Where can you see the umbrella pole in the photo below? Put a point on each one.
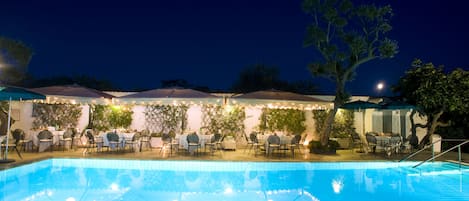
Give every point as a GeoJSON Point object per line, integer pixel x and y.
{"type": "Point", "coordinates": [8, 129]}
{"type": "Point", "coordinates": [5, 154]}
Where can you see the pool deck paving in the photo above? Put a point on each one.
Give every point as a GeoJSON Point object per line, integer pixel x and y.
{"type": "Point", "coordinates": [240, 154]}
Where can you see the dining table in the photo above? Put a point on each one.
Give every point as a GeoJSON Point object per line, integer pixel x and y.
{"type": "Point", "coordinates": [122, 137]}
{"type": "Point", "coordinates": [182, 139]}
{"type": "Point", "coordinates": [284, 140]}
{"type": "Point", "coordinates": [57, 135]}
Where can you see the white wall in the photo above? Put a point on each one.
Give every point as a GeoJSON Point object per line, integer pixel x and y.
{"type": "Point", "coordinates": [194, 118]}
{"type": "Point", "coordinates": [138, 118]}
{"type": "Point", "coordinates": [24, 121]}
{"type": "Point", "coordinates": [252, 121]}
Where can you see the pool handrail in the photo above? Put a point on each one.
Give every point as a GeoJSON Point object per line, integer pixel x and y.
{"type": "Point", "coordinates": [420, 150]}
{"type": "Point", "coordinates": [442, 153]}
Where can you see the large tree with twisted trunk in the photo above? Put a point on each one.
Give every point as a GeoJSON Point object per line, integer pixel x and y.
{"type": "Point", "coordinates": [345, 36]}
{"type": "Point", "coordinates": [435, 93]}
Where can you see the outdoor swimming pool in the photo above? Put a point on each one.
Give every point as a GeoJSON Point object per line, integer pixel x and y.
{"type": "Point", "coordinates": [100, 179]}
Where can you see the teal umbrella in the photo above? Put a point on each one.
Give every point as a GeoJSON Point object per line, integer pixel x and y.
{"type": "Point", "coordinates": [11, 93]}
{"type": "Point", "coordinates": [361, 106]}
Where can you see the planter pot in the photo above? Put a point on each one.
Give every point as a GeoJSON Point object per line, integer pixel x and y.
{"type": "Point", "coordinates": [323, 151]}
{"type": "Point", "coordinates": [156, 142]}
{"type": "Point", "coordinates": [344, 143]}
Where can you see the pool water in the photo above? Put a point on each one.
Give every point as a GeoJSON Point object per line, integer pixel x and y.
{"type": "Point", "coordinates": [100, 179]}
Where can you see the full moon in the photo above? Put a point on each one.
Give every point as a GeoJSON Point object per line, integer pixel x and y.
{"type": "Point", "coordinates": [380, 86]}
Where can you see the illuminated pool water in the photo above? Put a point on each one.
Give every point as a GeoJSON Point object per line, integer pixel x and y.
{"type": "Point", "coordinates": [99, 179]}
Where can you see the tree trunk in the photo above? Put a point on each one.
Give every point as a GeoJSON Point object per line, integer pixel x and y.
{"type": "Point", "coordinates": [325, 133]}
{"type": "Point", "coordinates": [338, 102]}
{"type": "Point", "coordinates": [431, 127]}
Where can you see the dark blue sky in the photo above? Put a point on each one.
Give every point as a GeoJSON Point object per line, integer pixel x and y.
{"type": "Point", "coordinates": [136, 43]}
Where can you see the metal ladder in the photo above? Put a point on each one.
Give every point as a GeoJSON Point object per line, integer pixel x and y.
{"type": "Point", "coordinates": [441, 154]}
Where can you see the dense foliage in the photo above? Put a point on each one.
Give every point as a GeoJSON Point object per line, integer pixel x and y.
{"type": "Point", "coordinates": [286, 120]}
{"type": "Point", "coordinates": [343, 123]}
{"type": "Point", "coordinates": [441, 97]}
{"type": "Point", "coordinates": [60, 116]}
{"type": "Point", "coordinates": [227, 119]}
{"type": "Point", "coordinates": [346, 36]}
{"type": "Point", "coordinates": [166, 118]}
{"type": "Point", "coordinates": [106, 117]}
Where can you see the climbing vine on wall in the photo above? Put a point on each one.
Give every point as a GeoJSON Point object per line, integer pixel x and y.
{"type": "Point", "coordinates": [227, 119]}
{"type": "Point", "coordinates": [57, 115]}
{"type": "Point", "coordinates": [105, 117]}
{"type": "Point", "coordinates": [287, 120]}
{"type": "Point", "coordinates": [166, 118]}
{"type": "Point", "coordinates": [343, 123]}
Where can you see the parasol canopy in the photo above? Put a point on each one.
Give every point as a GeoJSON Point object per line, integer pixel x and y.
{"type": "Point", "coordinates": [73, 94]}
{"type": "Point", "coordinates": [169, 96]}
{"type": "Point", "coordinates": [281, 99]}
{"type": "Point", "coordinates": [11, 93]}
{"type": "Point", "coordinates": [360, 105]}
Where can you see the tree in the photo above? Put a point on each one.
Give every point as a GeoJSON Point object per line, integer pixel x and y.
{"type": "Point", "coordinates": [14, 60]}
{"type": "Point", "coordinates": [257, 77]}
{"type": "Point", "coordinates": [261, 77]}
{"type": "Point", "coordinates": [434, 93]}
{"type": "Point", "coordinates": [346, 37]}
{"type": "Point", "coordinates": [82, 80]}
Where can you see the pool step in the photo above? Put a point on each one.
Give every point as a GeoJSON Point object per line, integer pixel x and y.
{"type": "Point", "coordinates": [436, 169]}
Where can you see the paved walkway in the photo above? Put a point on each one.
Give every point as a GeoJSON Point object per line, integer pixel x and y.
{"type": "Point", "coordinates": [238, 155]}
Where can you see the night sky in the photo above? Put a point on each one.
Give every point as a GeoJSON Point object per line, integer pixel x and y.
{"type": "Point", "coordinates": [136, 44]}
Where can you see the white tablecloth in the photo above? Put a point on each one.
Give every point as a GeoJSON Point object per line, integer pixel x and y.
{"type": "Point", "coordinates": [122, 137]}
{"type": "Point", "coordinates": [284, 139]}
{"type": "Point", "coordinates": [183, 140]}
{"type": "Point", "coordinates": [56, 136]}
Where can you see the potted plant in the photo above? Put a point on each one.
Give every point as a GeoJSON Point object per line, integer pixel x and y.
{"type": "Point", "coordinates": [317, 148]}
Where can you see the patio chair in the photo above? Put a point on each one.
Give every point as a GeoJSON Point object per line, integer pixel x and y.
{"type": "Point", "coordinates": [274, 143]}
{"type": "Point", "coordinates": [91, 140]}
{"type": "Point", "coordinates": [256, 145]}
{"type": "Point", "coordinates": [131, 142]}
{"type": "Point", "coordinates": [193, 143]}
{"type": "Point", "coordinates": [215, 143]}
{"type": "Point", "coordinates": [113, 140]}
{"type": "Point", "coordinates": [145, 140]}
{"type": "Point", "coordinates": [66, 138]}
{"type": "Point", "coordinates": [11, 146]}
{"type": "Point", "coordinates": [76, 137]}
{"type": "Point", "coordinates": [99, 142]}
{"type": "Point", "coordinates": [45, 139]}
{"type": "Point", "coordinates": [372, 142]}
{"type": "Point", "coordinates": [249, 142]}
{"type": "Point", "coordinates": [166, 142]}
{"type": "Point", "coordinates": [294, 144]}
{"type": "Point", "coordinates": [20, 141]}
{"type": "Point", "coordinates": [356, 142]}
